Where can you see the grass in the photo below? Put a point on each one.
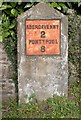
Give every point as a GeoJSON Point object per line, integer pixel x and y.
{"type": "Point", "coordinates": [56, 107]}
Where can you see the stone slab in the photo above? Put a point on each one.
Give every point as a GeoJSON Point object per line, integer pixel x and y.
{"type": "Point", "coordinates": [42, 76]}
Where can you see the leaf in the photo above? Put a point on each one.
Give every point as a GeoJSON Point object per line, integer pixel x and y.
{"type": "Point", "coordinates": [13, 4]}
{"type": "Point", "coordinates": [64, 7]}
{"type": "Point", "coordinates": [5, 34]}
{"type": "Point", "coordinates": [20, 10]}
{"type": "Point", "coordinates": [14, 22]}
{"type": "Point", "coordinates": [28, 5]}
{"type": "Point", "coordinates": [1, 3]}
{"type": "Point", "coordinates": [59, 8]}
{"type": "Point", "coordinates": [79, 4]}
{"type": "Point", "coordinates": [3, 7]}
{"type": "Point", "coordinates": [12, 33]}
{"type": "Point", "coordinates": [14, 12]}
{"type": "Point", "coordinates": [3, 16]}
{"type": "Point", "coordinates": [19, 3]}
{"type": "Point", "coordinates": [6, 23]}
{"type": "Point", "coordinates": [11, 26]}
{"type": "Point", "coordinates": [55, 5]}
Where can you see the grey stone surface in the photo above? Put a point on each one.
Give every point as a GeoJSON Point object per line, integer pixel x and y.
{"type": "Point", "coordinates": [43, 76]}
{"type": "Point", "coordinates": [7, 86]}
{"type": "Point", "coordinates": [74, 35]}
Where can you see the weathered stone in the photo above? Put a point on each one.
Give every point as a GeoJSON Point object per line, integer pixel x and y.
{"type": "Point", "coordinates": [42, 76]}
{"type": "Point", "coordinates": [74, 35]}
{"type": "Point", "coordinates": [7, 86]}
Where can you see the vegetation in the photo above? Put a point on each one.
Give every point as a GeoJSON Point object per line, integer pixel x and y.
{"type": "Point", "coordinates": [57, 107]}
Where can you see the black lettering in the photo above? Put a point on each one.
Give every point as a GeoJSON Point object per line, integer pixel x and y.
{"type": "Point", "coordinates": [36, 41]}
{"type": "Point", "coordinates": [33, 42]}
{"type": "Point", "coordinates": [47, 41]}
{"type": "Point", "coordinates": [42, 34]}
{"type": "Point", "coordinates": [52, 41]}
{"type": "Point", "coordinates": [42, 26]}
{"type": "Point", "coordinates": [56, 41]}
{"type": "Point", "coordinates": [42, 48]}
{"type": "Point", "coordinates": [30, 41]}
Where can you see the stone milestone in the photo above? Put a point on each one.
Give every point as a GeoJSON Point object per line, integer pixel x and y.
{"type": "Point", "coordinates": [42, 53]}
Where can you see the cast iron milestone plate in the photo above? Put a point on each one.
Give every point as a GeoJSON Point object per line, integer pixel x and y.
{"type": "Point", "coordinates": [43, 37]}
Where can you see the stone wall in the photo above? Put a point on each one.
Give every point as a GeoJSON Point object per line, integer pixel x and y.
{"type": "Point", "coordinates": [8, 86]}
{"type": "Point", "coordinates": [74, 42]}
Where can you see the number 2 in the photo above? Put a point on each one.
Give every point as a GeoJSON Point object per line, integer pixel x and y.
{"type": "Point", "coordinates": [43, 34]}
